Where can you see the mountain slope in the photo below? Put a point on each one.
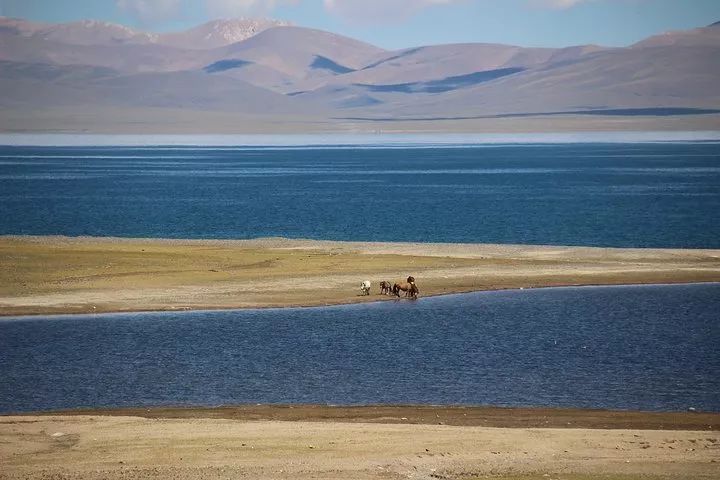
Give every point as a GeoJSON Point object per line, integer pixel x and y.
{"type": "Point", "coordinates": [698, 37]}
{"type": "Point", "coordinates": [127, 57]}
{"type": "Point", "coordinates": [281, 58]}
{"type": "Point", "coordinates": [218, 33]}
{"type": "Point", "coordinates": [295, 50]}
{"type": "Point", "coordinates": [432, 70]}
{"type": "Point", "coordinates": [39, 85]}
{"type": "Point", "coordinates": [438, 61]}
{"type": "Point", "coordinates": [452, 65]}
{"type": "Point", "coordinates": [683, 77]}
{"type": "Point", "coordinates": [85, 32]}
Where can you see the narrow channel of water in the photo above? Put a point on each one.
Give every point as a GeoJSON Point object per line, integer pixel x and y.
{"type": "Point", "coordinates": [635, 347]}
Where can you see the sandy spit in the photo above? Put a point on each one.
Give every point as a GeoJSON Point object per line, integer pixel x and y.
{"type": "Point", "coordinates": [48, 275]}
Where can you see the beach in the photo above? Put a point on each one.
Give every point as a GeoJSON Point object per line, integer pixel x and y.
{"type": "Point", "coordinates": [304, 442]}
{"type": "Point", "coordinates": [57, 275]}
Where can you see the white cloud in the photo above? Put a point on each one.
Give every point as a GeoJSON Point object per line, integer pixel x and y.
{"type": "Point", "coordinates": [148, 11]}
{"type": "Point", "coordinates": [558, 4]}
{"type": "Point", "coordinates": [358, 11]}
{"type": "Point", "coordinates": [232, 8]}
{"type": "Point", "coordinates": [561, 3]}
{"type": "Point", "coordinates": [380, 11]}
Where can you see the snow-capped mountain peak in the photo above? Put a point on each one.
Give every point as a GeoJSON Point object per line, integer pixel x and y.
{"type": "Point", "coordinates": [219, 33]}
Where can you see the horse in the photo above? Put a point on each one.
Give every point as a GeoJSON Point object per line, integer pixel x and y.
{"type": "Point", "coordinates": [365, 287]}
{"type": "Point", "coordinates": [385, 288]}
{"type": "Point", "coordinates": [411, 290]}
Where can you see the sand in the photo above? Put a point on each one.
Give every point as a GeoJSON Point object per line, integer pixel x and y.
{"type": "Point", "coordinates": [202, 446]}
{"type": "Point", "coordinates": [49, 275]}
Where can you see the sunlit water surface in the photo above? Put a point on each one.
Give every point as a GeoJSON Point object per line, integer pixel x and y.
{"type": "Point", "coordinates": [621, 195]}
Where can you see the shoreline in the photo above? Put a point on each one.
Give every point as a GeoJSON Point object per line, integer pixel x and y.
{"type": "Point", "coordinates": [54, 275]}
{"type": "Point", "coordinates": [452, 415]}
{"type": "Point", "coordinates": [360, 138]}
{"type": "Point", "coordinates": [181, 122]}
{"type": "Point", "coordinates": [300, 242]}
{"type": "Point", "coordinates": [28, 316]}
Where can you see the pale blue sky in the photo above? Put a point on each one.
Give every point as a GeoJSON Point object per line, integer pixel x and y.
{"type": "Point", "coordinates": [406, 23]}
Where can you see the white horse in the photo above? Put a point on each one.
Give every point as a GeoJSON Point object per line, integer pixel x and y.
{"type": "Point", "coordinates": [365, 287]}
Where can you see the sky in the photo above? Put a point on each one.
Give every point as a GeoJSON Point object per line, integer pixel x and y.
{"type": "Point", "coordinates": [397, 24]}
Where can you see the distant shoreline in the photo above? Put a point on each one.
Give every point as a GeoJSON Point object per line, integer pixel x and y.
{"type": "Point", "coordinates": [65, 275]}
{"type": "Point", "coordinates": [361, 138]}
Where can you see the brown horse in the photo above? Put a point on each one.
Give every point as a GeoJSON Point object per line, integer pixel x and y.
{"type": "Point", "coordinates": [385, 288]}
{"type": "Point", "coordinates": [411, 290]}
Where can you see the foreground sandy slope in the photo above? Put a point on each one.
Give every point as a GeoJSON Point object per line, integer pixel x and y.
{"type": "Point", "coordinates": [129, 447]}
{"type": "Point", "coordinates": [65, 275]}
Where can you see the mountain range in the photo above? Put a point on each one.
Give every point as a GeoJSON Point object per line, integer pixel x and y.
{"type": "Point", "coordinates": [272, 71]}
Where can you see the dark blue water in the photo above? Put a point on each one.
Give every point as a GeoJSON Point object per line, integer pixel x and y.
{"type": "Point", "coordinates": [625, 195]}
{"type": "Point", "coordinates": [649, 348]}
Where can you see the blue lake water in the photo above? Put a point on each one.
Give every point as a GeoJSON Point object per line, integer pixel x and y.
{"type": "Point", "coordinates": [624, 195]}
{"type": "Point", "coordinates": [651, 348]}
{"type": "Point", "coordinates": [640, 347]}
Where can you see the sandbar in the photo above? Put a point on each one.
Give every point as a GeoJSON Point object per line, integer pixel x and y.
{"type": "Point", "coordinates": [61, 275]}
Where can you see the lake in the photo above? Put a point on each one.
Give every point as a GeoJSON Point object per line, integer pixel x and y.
{"type": "Point", "coordinates": [592, 194]}
{"type": "Point", "coordinates": [634, 347]}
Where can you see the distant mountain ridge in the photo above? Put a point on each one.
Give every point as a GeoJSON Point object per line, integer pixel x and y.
{"type": "Point", "coordinates": [219, 33]}
{"type": "Point", "coordinates": [213, 34]}
{"type": "Point", "coordinates": [84, 32]}
{"type": "Point", "coordinates": [268, 67]}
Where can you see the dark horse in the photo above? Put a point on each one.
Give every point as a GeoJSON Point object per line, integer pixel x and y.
{"type": "Point", "coordinates": [411, 290]}
{"type": "Point", "coordinates": [385, 288]}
